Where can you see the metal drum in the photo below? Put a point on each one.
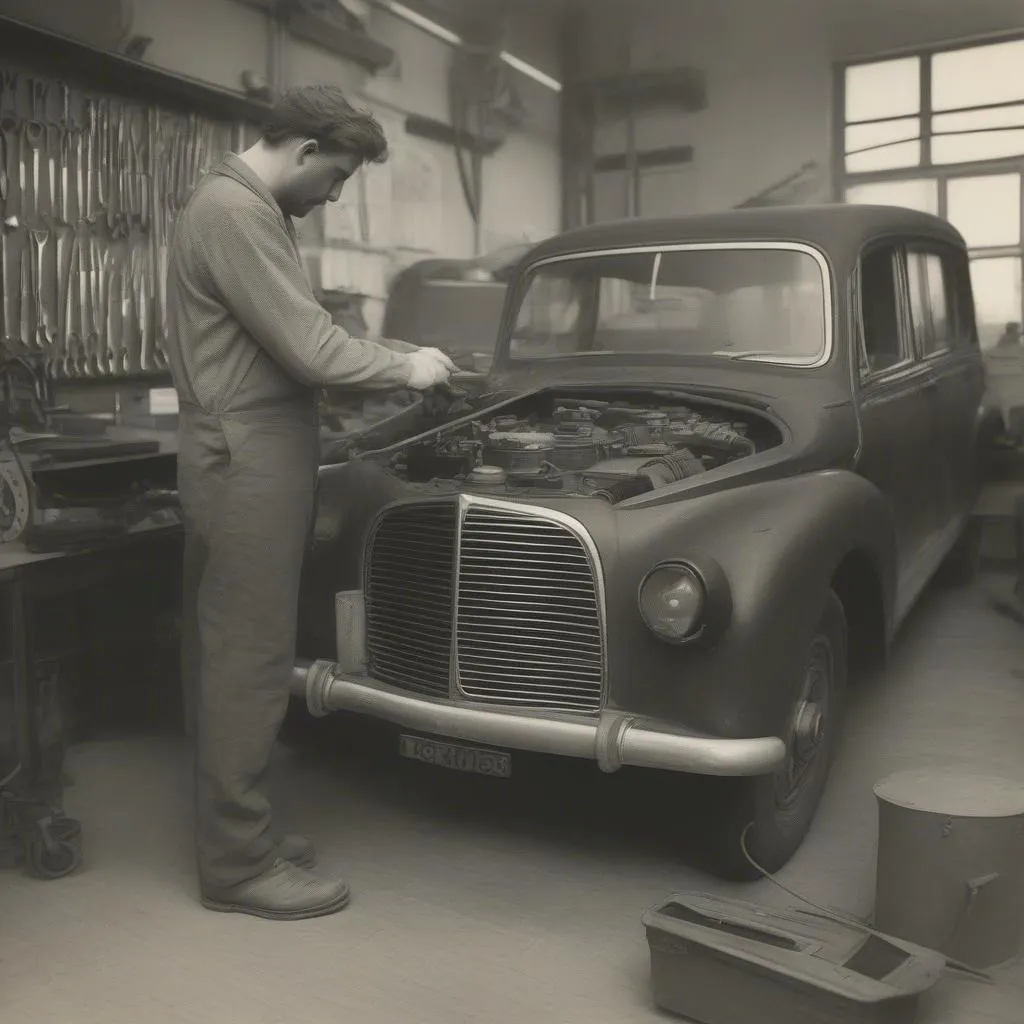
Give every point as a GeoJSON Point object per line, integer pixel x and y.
{"type": "Point", "coordinates": [950, 870]}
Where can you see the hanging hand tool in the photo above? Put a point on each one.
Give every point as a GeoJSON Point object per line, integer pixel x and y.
{"type": "Point", "coordinates": [131, 341]}
{"type": "Point", "coordinates": [99, 161]}
{"type": "Point", "coordinates": [27, 323]}
{"type": "Point", "coordinates": [8, 94]}
{"type": "Point", "coordinates": [86, 163]}
{"type": "Point", "coordinates": [35, 135]}
{"type": "Point", "coordinates": [44, 324]}
{"type": "Point", "coordinates": [10, 292]}
{"type": "Point", "coordinates": [64, 215]}
{"type": "Point", "coordinates": [91, 316]}
{"type": "Point", "coordinates": [54, 362]}
{"type": "Point", "coordinates": [72, 321]}
{"type": "Point", "coordinates": [116, 305]}
{"type": "Point", "coordinates": [44, 317]}
{"type": "Point", "coordinates": [4, 184]}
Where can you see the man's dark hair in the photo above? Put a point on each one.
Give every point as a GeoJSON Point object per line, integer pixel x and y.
{"type": "Point", "coordinates": [323, 113]}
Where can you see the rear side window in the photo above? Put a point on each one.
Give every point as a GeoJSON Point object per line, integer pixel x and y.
{"type": "Point", "coordinates": [880, 309]}
{"type": "Point", "coordinates": [940, 301]}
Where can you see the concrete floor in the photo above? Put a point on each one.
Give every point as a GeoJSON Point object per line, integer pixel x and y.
{"type": "Point", "coordinates": [474, 901]}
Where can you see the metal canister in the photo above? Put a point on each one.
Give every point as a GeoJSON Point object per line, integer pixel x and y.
{"type": "Point", "coordinates": [950, 869]}
{"type": "Point", "coordinates": [488, 476]}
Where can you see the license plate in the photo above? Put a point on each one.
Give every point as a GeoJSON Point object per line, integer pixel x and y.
{"type": "Point", "coordinates": [453, 755]}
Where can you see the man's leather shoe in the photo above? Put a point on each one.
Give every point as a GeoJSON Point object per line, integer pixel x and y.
{"type": "Point", "coordinates": [297, 850]}
{"type": "Point", "coordinates": [283, 892]}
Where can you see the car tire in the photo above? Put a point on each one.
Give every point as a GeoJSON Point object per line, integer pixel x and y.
{"type": "Point", "coordinates": [775, 812]}
{"type": "Point", "coordinates": [960, 566]}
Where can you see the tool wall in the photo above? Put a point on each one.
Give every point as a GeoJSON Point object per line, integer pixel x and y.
{"type": "Point", "coordinates": [90, 185]}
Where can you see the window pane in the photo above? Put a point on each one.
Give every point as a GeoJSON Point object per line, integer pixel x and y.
{"type": "Point", "coordinates": [880, 311]}
{"type": "Point", "coordinates": [917, 286]}
{"type": "Point", "coordinates": [964, 149]}
{"type": "Point", "coordinates": [978, 75]}
{"type": "Point", "coordinates": [935, 316]}
{"type": "Point", "coordinates": [889, 88]}
{"type": "Point", "coordinates": [978, 135]}
{"type": "Point", "coordinates": [917, 194]}
{"type": "Point", "coordinates": [997, 296]}
{"type": "Point", "coordinates": [985, 210]}
{"type": "Point", "coordinates": [881, 146]}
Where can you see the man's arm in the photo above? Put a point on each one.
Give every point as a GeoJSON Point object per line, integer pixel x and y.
{"type": "Point", "coordinates": [252, 264]}
{"type": "Point", "coordinates": [398, 346]}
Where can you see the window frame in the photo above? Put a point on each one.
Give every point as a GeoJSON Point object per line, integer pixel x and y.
{"type": "Point", "coordinates": [908, 349]}
{"type": "Point", "coordinates": [942, 174]}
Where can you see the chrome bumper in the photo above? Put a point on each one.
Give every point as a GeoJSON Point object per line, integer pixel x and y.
{"type": "Point", "coordinates": [613, 739]}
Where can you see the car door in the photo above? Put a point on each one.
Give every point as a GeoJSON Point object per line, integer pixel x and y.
{"type": "Point", "coordinates": [897, 410]}
{"type": "Point", "coordinates": [947, 342]}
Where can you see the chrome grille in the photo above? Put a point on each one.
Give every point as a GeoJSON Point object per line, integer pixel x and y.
{"type": "Point", "coordinates": [528, 610]}
{"type": "Point", "coordinates": [409, 591]}
{"type": "Point", "coordinates": [528, 614]}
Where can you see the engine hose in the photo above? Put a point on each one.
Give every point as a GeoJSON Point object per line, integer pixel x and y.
{"type": "Point", "coordinates": [623, 489]}
{"type": "Point", "coordinates": [675, 467]}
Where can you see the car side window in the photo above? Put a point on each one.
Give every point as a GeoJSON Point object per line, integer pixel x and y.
{"type": "Point", "coordinates": [881, 313]}
{"type": "Point", "coordinates": [932, 291]}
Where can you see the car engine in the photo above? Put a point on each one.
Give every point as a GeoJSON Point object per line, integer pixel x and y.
{"type": "Point", "coordinates": [612, 449]}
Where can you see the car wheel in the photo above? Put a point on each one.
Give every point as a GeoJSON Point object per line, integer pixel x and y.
{"type": "Point", "coordinates": [772, 814]}
{"type": "Point", "coordinates": [961, 564]}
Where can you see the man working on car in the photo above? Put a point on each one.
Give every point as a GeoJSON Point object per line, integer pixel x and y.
{"type": "Point", "coordinates": [249, 347]}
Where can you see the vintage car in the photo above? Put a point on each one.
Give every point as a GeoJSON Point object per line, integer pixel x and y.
{"type": "Point", "coordinates": [715, 463]}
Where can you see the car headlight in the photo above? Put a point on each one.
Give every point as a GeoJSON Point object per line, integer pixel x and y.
{"type": "Point", "coordinates": [673, 598]}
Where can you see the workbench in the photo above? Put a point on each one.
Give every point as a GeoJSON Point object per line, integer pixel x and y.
{"type": "Point", "coordinates": [56, 637]}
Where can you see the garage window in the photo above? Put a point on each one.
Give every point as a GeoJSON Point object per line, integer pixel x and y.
{"type": "Point", "coordinates": [942, 130]}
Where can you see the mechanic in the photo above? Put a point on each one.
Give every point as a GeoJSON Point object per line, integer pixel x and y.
{"type": "Point", "coordinates": [249, 347]}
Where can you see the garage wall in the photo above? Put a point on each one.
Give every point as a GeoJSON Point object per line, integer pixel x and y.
{"type": "Point", "coordinates": [769, 75]}
{"type": "Point", "coordinates": [521, 188]}
{"type": "Point", "coordinates": [217, 40]}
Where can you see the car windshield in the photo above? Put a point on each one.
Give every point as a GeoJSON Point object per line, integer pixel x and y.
{"type": "Point", "coordinates": [730, 302]}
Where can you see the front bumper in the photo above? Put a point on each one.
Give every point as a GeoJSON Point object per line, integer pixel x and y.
{"type": "Point", "coordinates": [614, 739]}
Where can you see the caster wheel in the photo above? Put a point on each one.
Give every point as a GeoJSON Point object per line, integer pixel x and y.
{"type": "Point", "coordinates": [53, 848]}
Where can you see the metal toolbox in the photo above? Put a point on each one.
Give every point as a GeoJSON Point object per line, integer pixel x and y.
{"type": "Point", "coordinates": [720, 961]}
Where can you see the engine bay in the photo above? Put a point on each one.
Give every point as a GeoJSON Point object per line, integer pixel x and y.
{"type": "Point", "coordinates": [612, 447]}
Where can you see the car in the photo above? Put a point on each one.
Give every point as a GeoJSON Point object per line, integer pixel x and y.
{"type": "Point", "coordinates": [714, 465]}
{"type": "Point", "coordinates": [454, 304]}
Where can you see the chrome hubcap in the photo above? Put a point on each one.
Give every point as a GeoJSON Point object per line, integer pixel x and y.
{"type": "Point", "coordinates": [809, 729]}
{"type": "Point", "coordinates": [809, 725]}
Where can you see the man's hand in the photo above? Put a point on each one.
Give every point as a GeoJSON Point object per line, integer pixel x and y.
{"type": "Point", "coordinates": [438, 354]}
{"type": "Point", "coordinates": [429, 368]}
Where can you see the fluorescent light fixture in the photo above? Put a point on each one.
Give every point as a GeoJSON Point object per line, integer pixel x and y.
{"type": "Point", "coordinates": [409, 15]}
{"type": "Point", "coordinates": [531, 72]}
{"type": "Point", "coordinates": [446, 35]}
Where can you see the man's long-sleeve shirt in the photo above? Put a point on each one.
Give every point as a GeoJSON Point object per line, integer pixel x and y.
{"type": "Point", "coordinates": [244, 327]}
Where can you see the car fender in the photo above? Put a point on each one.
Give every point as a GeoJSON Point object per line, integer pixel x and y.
{"type": "Point", "coordinates": [349, 496]}
{"type": "Point", "coordinates": [778, 545]}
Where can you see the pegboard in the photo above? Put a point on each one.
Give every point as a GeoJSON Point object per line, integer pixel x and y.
{"type": "Point", "coordinates": [90, 186]}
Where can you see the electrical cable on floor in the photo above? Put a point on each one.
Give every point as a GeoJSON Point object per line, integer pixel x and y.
{"type": "Point", "coordinates": [849, 922]}
{"type": "Point", "coordinates": [10, 778]}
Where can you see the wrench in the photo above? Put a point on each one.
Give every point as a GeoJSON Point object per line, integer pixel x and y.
{"type": "Point", "coordinates": [34, 135]}
{"type": "Point", "coordinates": [27, 332]}
{"type": "Point", "coordinates": [44, 327]}
{"type": "Point", "coordinates": [73, 329]}
{"type": "Point", "coordinates": [91, 322]}
{"type": "Point", "coordinates": [11, 308]}
{"type": "Point", "coordinates": [116, 304]}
